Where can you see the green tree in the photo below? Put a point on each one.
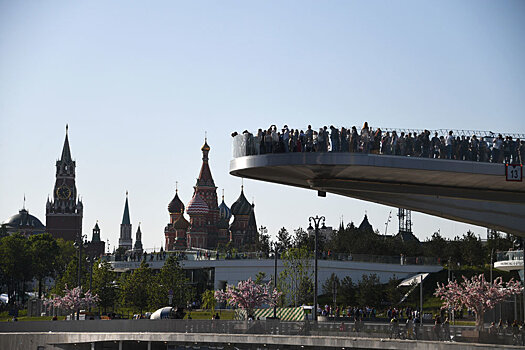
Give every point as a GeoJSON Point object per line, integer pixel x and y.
{"type": "Point", "coordinates": [347, 291]}
{"type": "Point", "coordinates": [263, 242]}
{"type": "Point", "coordinates": [208, 300]}
{"type": "Point", "coordinates": [44, 252]}
{"type": "Point", "coordinates": [369, 290]}
{"type": "Point", "coordinates": [69, 277]}
{"type": "Point", "coordinates": [171, 278]}
{"type": "Point", "coordinates": [296, 280]}
{"type": "Point", "coordinates": [472, 249]}
{"type": "Point", "coordinates": [392, 294]}
{"type": "Point", "coordinates": [332, 287]}
{"type": "Point", "coordinates": [67, 253]}
{"type": "Point", "coordinates": [136, 287]}
{"type": "Point", "coordinates": [284, 241]}
{"type": "Point", "coordinates": [259, 278]}
{"type": "Point", "coordinates": [497, 242]}
{"type": "Point", "coordinates": [104, 284]}
{"type": "Point", "coordinates": [437, 246]}
{"type": "Point", "coordinates": [3, 230]}
{"type": "Point", "coordinates": [302, 239]}
{"type": "Point", "coordinates": [15, 263]}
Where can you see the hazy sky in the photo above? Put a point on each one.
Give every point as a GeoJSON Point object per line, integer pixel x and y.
{"type": "Point", "coordinates": [140, 82]}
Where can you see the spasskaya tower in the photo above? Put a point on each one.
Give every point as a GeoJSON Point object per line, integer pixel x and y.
{"type": "Point", "coordinates": [64, 211]}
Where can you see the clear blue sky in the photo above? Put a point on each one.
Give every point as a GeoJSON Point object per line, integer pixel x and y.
{"type": "Point", "coordinates": [140, 82]}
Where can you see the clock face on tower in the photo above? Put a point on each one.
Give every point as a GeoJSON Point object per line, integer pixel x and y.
{"type": "Point", "coordinates": [63, 192]}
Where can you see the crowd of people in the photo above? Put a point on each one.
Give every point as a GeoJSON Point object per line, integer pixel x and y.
{"type": "Point", "coordinates": [425, 144]}
{"type": "Point", "coordinates": [365, 312]}
{"type": "Point", "coordinates": [515, 329]}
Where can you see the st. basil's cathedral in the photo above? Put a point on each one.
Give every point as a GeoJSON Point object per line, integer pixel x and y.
{"type": "Point", "coordinates": [208, 226]}
{"type": "Point", "coordinates": [209, 223]}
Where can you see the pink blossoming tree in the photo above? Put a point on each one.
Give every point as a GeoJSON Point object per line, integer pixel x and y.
{"type": "Point", "coordinates": [73, 300]}
{"type": "Point", "coordinates": [248, 295]}
{"type": "Point", "coordinates": [476, 294]}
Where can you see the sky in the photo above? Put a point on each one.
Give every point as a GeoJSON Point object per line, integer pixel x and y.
{"type": "Point", "coordinates": [140, 83]}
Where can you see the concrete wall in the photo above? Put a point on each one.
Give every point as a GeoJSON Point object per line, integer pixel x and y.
{"type": "Point", "coordinates": [52, 341]}
{"type": "Point", "coordinates": [50, 334]}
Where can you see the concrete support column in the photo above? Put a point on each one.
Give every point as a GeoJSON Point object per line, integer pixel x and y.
{"type": "Point", "coordinates": [149, 345]}
{"type": "Point", "coordinates": [120, 345]}
{"type": "Point", "coordinates": [93, 346]}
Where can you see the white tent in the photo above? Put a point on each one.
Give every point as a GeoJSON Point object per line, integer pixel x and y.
{"type": "Point", "coordinates": [416, 279]}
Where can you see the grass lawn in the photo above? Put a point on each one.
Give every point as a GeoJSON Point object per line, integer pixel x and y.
{"type": "Point", "coordinates": [206, 315]}
{"type": "Point", "coordinates": [22, 316]}
{"type": "Point", "coordinates": [195, 314]}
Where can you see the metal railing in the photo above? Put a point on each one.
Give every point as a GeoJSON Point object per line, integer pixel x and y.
{"type": "Point", "coordinates": [214, 255]}
{"type": "Point", "coordinates": [510, 255]}
{"type": "Point", "coordinates": [248, 144]}
{"type": "Point", "coordinates": [341, 328]}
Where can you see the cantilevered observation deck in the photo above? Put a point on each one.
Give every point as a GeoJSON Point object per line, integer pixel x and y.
{"type": "Point", "coordinates": [471, 192]}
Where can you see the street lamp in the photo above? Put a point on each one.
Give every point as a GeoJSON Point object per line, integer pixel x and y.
{"type": "Point", "coordinates": [523, 280]}
{"type": "Point", "coordinates": [317, 220]}
{"type": "Point", "coordinates": [91, 259]}
{"type": "Point", "coordinates": [79, 245]}
{"type": "Point", "coordinates": [519, 243]}
{"type": "Point", "coordinates": [275, 253]}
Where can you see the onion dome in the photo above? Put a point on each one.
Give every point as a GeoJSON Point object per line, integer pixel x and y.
{"type": "Point", "coordinates": [176, 205]}
{"type": "Point", "coordinates": [181, 223]}
{"type": "Point", "coordinates": [205, 147]}
{"type": "Point", "coordinates": [241, 205]}
{"type": "Point", "coordinates": [224, 211]}
{"type": "Point", "coordinates": [197, 206]}
{"type": "Point", "coordinates": [24, 220]}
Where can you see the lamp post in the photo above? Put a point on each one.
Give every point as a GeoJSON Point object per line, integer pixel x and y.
{"type": "Point", "coordinates": [91, 259]}
{"type": "Point", "coordinates": [519, 243]}
{"type": "Point", "coordinates": [79, 245]}
{"type": "Point", "coordinates": [523, 280]}
{"type": "Point", "coordinates": [522, 246]}
{"type": "Point", "coordinates": [317, 220]}
{"type": "Point", "coordinates": [275, 252]}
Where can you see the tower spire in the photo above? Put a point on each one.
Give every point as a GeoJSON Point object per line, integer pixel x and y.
{"type": "Point", "coordinates": [205, 178]}
{"type": "Point", "coordinates": [125, 240]}
{"type": "Point", "coordinates": [205, 150]}
{"type": "Point", "coordinates": [66, 152]}
{"type": "Point", "coordinates": [125, 217]}
{"type": "Point", "coordinates": [138, 240]}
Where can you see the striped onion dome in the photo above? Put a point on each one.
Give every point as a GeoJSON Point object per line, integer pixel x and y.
{"type": "Point", "coordinates": [197, 206]}
{"type": "Point", "coordinates": [224, 211]}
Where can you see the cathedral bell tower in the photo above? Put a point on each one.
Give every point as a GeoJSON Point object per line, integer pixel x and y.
{"type": "Point", "coordinates": [125, 228]}
{"type": "Point", "coordinates": [64, 212]}
{"type": "Point", "coordinates": [204, 225]}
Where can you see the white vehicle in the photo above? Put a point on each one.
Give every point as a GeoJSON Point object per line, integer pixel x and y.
{"type": "Point", "coordinates": [4, 299]}
{"type": "Point", "coordinates": [162, 313]}
{"type": "Point", "coordinates": [168, 312]}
